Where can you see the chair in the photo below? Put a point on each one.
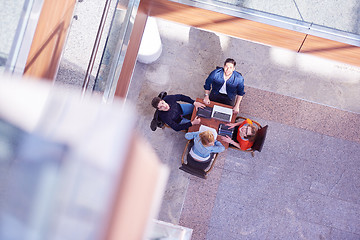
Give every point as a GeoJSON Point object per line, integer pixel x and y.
{"type": "Point", "coordinates": [156, 122]}
{"type": "Point", "coordinates": [190, 169]}
{"type": "Point", "coordinates": [259, 137]}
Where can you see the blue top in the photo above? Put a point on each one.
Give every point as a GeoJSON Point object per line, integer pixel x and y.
{"type": "Point", "coordinates": [200, 149]}
{"type": "Point", "coordinates": [173, 116]}
{"type": "Point", "coordinates": [234, 85]}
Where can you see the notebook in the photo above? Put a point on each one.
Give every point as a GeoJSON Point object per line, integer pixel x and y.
{"type": "Point", "coordinates": [204, 128]}
{"type": "Point", "coordinates": [222, 113]}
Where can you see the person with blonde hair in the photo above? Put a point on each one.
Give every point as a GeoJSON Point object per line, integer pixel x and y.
{"type": "Point", "coordinates": [204, 146]}
{"type": "Point", "coordinates": [245, 135]}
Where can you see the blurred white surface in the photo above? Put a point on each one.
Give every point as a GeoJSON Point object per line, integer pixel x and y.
{"type": "Point", "coordinates": [150, 46]}
{"type": "Point", "coordinates": [72, 196]}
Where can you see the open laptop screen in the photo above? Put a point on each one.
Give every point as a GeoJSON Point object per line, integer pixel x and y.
{"type": "Point", "coordinates": [222, 113]}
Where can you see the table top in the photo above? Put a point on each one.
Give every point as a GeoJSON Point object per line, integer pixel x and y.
{"type": "Point", "coordinates": [210, 122]}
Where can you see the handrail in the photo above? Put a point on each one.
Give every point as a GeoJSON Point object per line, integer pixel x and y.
{"type": "Point", "coordinates": [95, 47]}
{"type": "Point", "coordinates": [276, 20]}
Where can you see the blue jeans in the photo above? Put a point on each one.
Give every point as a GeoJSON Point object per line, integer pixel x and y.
{"type": "Point", "coordinates": [187, 109]}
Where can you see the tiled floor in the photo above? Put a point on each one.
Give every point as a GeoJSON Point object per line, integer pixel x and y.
{"type": "Point", "coordinates": [305, 182]}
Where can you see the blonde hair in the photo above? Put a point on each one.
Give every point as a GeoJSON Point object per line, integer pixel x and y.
{"type": "Point", "coordinates": [206, 137]}
{"type": "Point", "coordinates": [251, 136]}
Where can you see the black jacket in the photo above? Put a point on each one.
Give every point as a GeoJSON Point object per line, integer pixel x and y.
{"type": "Point", "coordinates": [173, 116]}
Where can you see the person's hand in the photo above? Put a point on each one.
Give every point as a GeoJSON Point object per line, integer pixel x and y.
{"type": "Point", "coordinates": [199, 105]}
{"type": "Point", "coordinates": [236, 109]}
{"type": "Point", "coordinates": [231, 125]}
{"type": "Point", "coordinates": [227, 139]}
{"type": "Point", "coordinates": [206, 99]}
{"type": "Point", "coordinates": [196, 120]}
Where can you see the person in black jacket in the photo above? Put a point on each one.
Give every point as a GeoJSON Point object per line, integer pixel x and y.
{"type": "Point", "coordinates": [172, 113]}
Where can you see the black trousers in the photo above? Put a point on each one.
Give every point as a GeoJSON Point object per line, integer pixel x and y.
{"type": "Point", "coordinates": [221, 98]}
{"type": "Point", "coordinates": [199, 165]}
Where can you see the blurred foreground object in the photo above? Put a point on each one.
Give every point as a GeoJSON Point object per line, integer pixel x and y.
{"type": "Point", "coordinates": [72, 167]}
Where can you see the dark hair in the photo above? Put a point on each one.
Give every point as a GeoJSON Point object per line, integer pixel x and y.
{"type": "Point", "coordinates": [230, 60]}
{"type": "Point", "coordinates": [155, 102]}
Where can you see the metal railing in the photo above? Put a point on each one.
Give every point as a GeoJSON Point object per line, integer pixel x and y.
{"type": "Point", "coordinates": [276, 20]}
{"type": "Point", "coordinates": [96, 46]}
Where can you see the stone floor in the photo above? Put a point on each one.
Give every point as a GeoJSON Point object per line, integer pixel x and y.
{"type": "Point", "coordinates": [305, 183]}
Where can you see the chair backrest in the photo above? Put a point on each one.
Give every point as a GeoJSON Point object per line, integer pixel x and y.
{"type": "Point", "coordinates": [162, 95]}
{"type": "Point", "coordinates": [156, 122]}
{"type": "Point", "coordinates": [191, 170]}
{"type": "Point", "coordinates": [260, 139]}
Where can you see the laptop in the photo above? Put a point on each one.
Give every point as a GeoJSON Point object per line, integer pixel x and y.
{"type": "Point", "coordinates": [222, 113]}
{"type": "Point", "coordinates": [225, 131]}
{"type": "Point", "coordinates": [204, 112]}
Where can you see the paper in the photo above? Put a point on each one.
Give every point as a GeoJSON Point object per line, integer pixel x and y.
{"type": "Point", "coordinates": [204, 128]}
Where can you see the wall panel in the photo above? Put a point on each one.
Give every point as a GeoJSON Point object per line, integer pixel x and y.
{"type": "Point", "coordinates": [254, 31]}
{"type": "Point", "coordinates": [131, 52]}
{"type": "Point", "coordinates": [49, 38]}
{"type": "Point", "coordinates": [229, 25]}
{"type": "Point", "coordinates": [332, 50]}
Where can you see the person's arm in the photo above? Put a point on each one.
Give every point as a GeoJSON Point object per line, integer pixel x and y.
{"type": "Point", "coordinates": [232, 125]}
{"type": "Point", "coordinates": [185, 126]}
{"type": "Point", "coordinates": [178, 127]}
{"type": "Point", "coordinates": [246, 145]}
{"type": "Point", "coordinates": [218, 147]}
{"type": "Point", "coordinates": [198, 105]}
{"type": "Point", "coordinates": [207, 87]}
{"type": "Point", "coordinates": [229, 140]}
{"type": "Point", "coordinates": [236, 107]}
{"type": "Point", "coordinates": [239, 92]}
{"type": "Point", "coordinates": [197, 120]}
{"type": "Point", "coordinates": [206, 97]}
{"type": "Point", "coordinates": [191, 135]}
{"type": "Point", "coordinates": [183, 98]}
{"type": "Point", "coordinates": [174, 125]}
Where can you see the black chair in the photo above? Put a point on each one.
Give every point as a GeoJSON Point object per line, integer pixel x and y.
{"type": "Point", "coordinates": [156, 122]}
{"type": "Point", "coordinates": [259, 137]}
{"type": "Point", "coordinates": [186, 167]}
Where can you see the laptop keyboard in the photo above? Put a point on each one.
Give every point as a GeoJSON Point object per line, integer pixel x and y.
{"type": "Point", "coordinates": [221, 116]}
